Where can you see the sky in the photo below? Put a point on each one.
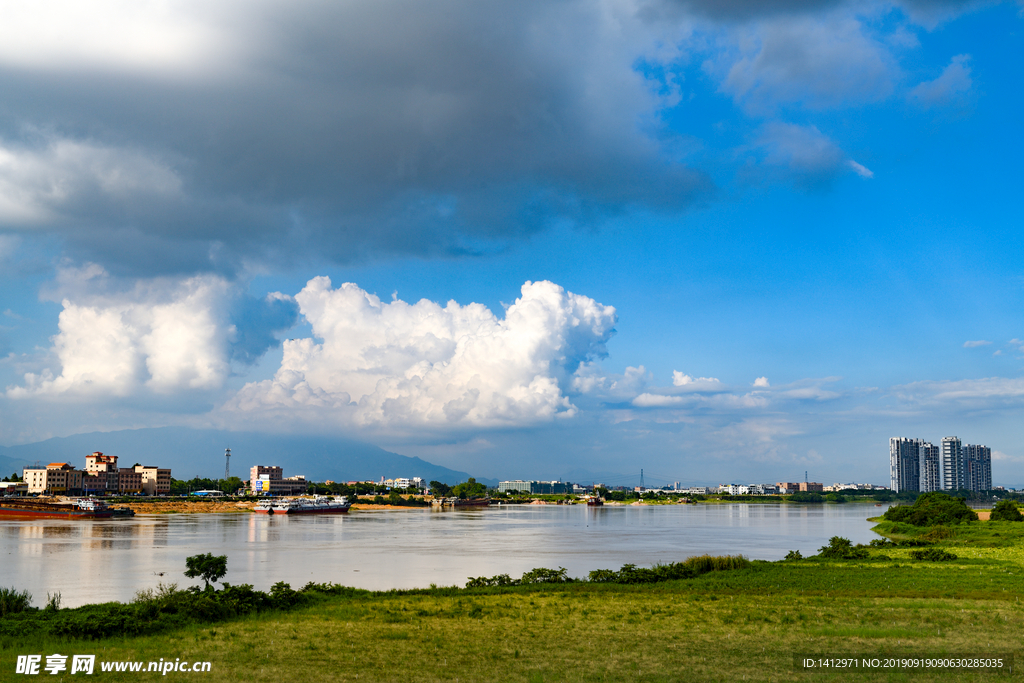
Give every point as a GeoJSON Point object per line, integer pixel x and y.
{"type": "Point", "coordinates": [720, 241]}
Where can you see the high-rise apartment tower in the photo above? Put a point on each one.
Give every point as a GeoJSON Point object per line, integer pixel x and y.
{"type": "Point", "coordinates": [904, 464]}
{"type": "Point", "coordinates": [951, 464]}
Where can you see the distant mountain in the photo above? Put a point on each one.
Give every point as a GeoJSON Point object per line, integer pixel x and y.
{"type": "Point", "coordinates": [200, 452]}
{"type": "Point", "coordinates": [10, 465]}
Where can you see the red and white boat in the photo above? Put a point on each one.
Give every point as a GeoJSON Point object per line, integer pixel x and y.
{"type": "Point", "coordinates": [317, 505]}
{"type": "Point", "coordinates": [75, 508]}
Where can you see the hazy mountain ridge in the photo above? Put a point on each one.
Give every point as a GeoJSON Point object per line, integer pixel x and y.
{"type": "Point", "coordinates": [200, 452]}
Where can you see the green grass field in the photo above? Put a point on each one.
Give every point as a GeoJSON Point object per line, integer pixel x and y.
{"type": "Point", "coordinates": [743, 624]}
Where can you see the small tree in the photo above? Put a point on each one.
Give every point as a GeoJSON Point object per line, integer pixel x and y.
{"type": "Point", "coordinates": [1006, 511]}
{"type": "Point", "coordinates": [208, 567]}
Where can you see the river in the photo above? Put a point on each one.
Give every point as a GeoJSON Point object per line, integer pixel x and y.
{"type": "Point", "coordinates": [91, 561]}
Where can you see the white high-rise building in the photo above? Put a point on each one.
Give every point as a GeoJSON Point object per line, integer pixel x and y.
{"type": "Point", "coordinates": [929, 468]}
{"type": "Point", "coordinates": [918, 465]}
{"type": "Point", "coordinates": [977, 467]}
{"type": "Point", "coordinates": [904, 464]}
{"type": "Point", "coordinates": [951, 464]}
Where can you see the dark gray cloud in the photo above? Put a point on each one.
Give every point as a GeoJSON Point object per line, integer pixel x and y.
{"type": "Point", "coordinates": [925, 12]}
{"type": "Point", "coordinates": [332, 130]}
{"type": "Point", "coordinates": [212, 136]}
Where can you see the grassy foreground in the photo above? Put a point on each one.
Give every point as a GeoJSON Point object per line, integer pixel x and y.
{"type": "Point", "coordinates": [743, 624]}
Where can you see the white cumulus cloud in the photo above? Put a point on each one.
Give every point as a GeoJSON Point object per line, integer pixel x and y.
{"type": "Point", "coordinates": [160, 336]}
{"type": "Point", "coordinates": [680, 379]}
{"type": "Point", "coordinates": [761, 382]}
{"type": "Point", "coordinates": [401, 364]}
{"type": "Point", "coordinates": [647, 400]}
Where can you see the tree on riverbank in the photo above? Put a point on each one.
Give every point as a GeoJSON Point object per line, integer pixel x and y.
{"type": "Point", "coordinates": [208, 567]}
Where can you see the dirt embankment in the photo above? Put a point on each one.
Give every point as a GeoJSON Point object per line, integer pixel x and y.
{"type": "Point", "coordinates": [163, 507]}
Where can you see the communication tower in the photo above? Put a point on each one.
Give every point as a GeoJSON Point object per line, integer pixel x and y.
{"type": "Point", "coordinates": [227, 463]}
{"type": "Point", "coordinates": [641, 479]}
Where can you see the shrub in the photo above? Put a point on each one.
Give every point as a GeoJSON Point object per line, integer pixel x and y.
{"type": "Point", "coordinates": [932, 555]}
{"type": "Point", "coordinates": [542, 575]}
{"type": "Point", "coordinates": [1006, 511]}
{"type": "Point", "coordinates": [807, 497]}
{"type": "Point", "coordinates": [840, 548]}
{"type": "Point", "coordinates": [794, 555]}
{"type": "Point", "coordinates": [932, 509]}
{"type": "Point", "coordinates": [12, 601]}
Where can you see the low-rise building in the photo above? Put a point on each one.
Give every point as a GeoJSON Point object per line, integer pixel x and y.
{"type": "Point", "coordinates": [270, 480]}
{"type": "Point", "coordinates": [13, 488]}
{"type": "Point", "coordinates": [57, 478]}
{"type": "Point", "coordinates": [538, 487]}
{"type": "Point", "coordinates": [101, 474]}
{"type": "Point", "coordinates": [156, 481]}
{"type": "Point", "coordinates": [129, 480]}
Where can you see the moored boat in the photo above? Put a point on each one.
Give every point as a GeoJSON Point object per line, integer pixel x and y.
{"type": "Point", "coordinates": [594, 501]}
{"type": "Point", "coordinates": [304, 506]}
{"type": "Point", "coordinates": [472, 502]}
{"type": "Point", "coordinates": [75, 508]}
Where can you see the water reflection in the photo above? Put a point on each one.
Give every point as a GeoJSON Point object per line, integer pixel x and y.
{"type": "Point", "coordinates": [92, 561]}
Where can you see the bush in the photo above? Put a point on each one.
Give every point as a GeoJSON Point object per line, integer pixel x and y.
{"type": "Point", "coordinates": [794, 555]}
{"type": "Point", "coordinates": [1006, 511]}
{"type": "Point", "coordinates": [628, 574]}
{"type": "Point", "coordinates": [13, 601]}
{"type": "Point", "coordinates": [840, 548]}
{"type": "Point", "coordinates": [807, 497]}
{"type": "Point", "coordinates": [932, 509]}
{"type": "Point", "coordinates": [932, 555]}
{"type": "Point", "coordinates": [688, 569]}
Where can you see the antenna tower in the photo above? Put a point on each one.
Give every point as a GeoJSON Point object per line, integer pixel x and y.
{"type": "Point", "coordinates": [805, 475]}
{"type": "Point", "coordinates": [641, 478]}
{"type": "Point", "coordinates": [227, 463]}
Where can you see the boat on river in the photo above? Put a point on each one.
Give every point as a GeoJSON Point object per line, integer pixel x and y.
{"type": "Point", "coordinates": [317, 505]}
{"type": "Point", "coordinates": [594, 501]}
{"type": "Point", "coordinates": [71, 508]}
{"type": "Point", "coordinates": [461, 502]}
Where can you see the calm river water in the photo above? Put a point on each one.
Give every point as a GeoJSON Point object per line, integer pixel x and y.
{"type": "Point", "coordinates": [102, 560]}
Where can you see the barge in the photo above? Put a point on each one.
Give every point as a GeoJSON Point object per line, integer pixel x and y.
{"type": "Point", "coordinates": [317, 505]}
{"type": "Point", "coordinates": [74, 508]}
{"type": "Point", "coordinates": [461, 502]}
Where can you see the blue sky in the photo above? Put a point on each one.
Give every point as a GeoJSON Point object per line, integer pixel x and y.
{"type": "Point", "coordinates": [761, 241]}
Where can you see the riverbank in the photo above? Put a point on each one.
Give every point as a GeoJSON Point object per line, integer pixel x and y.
{"type": "Point", "coordinates": [163, 506]}
{"type": "Point", "coordinates": [725, 626]}
{"type": "Point", "coordinates": [744, 623]}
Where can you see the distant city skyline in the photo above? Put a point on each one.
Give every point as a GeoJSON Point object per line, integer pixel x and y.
{"type": "Point", "coordinates": [699, 238]}
{"type": "Point", "coordinates": [918, 465]}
